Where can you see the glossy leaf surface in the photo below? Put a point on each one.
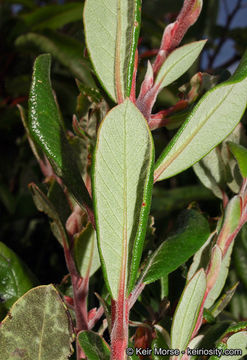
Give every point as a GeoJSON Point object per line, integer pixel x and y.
{"type": "Point", "coordinates": [187, 311]}
{"type": "Point", "coordinates": [46, 128]}
{"type": "Point", "coordinates": [178, 248]}
{"type": "Point", "coordinates": [112, 30]}
{"type": "Point", "coordinates": [15, 278]}
{"type": "Point", "coordinates": [37, 327]}
{"type": "Point", "coordinates": [212, 119]}
{"type": "Point", "coordinates": [122, 184]}
{"type": "Point", "coordinates": [94, 346]}
{"type": "Point", "coordinates": [178, 62]}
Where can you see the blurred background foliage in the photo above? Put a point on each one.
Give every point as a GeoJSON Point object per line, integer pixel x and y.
{"type": "Point", "coordinates": [29, 28]}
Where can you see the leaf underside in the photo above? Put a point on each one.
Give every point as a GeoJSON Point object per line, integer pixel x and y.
{"type": "Point", "coordinates": [212, 119]}
{"type": "Point", "coordinates": [122, 184]}
{"type": "Point", "coordinates": [187, 311]}
{"type": "Point", "coordinates": [112, 30]}
{"type": "Point", "coordinates": [178, 62]}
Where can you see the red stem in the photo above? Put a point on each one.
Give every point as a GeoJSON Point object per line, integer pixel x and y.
{"type": "Point", "coordinates": [80, 291]}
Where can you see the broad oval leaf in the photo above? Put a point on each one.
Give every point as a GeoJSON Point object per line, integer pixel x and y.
{"type": "Point", "coordinates": [178, 62]}
{"type": "Point", "coordinates": [112, 30]}
{"type": "Point", "coordinates": [122, 185]}
{"type": "Point", "coordinates": [177, 249]}
{"type": "Point", "coordinates": [187, 312]}
{"type": "Point", "coordinates": [15, 278]}
{"type": "Point", "coordinates": [94, 346]}
{"type": "Point", "coordinates": [46, 128]}
{"type": "Point", "coordinates": [212, 119]}
{"type": "Point", "coordinates": [37, 327]}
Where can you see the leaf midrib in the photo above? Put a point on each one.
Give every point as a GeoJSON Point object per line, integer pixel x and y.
{"type": "Point", "coordinates": [41, 335]}
{"type": "Point", "coordinates": [125, 215]}
{"type": "Point", "coordinates": [174, 64]}
{"type": "Point", "coordinates": [118, 83]}
{"type": "Point", "coordinates": [193, 134]}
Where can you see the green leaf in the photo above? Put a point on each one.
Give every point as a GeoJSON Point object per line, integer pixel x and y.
{"type": "Point", "coordinates": [122, 185]}
{"type": "Point", "coordinates": [94, 346]}
{"type": "Point", "coordinates": [159, 343]}
{"type": "Point", "coordinates": [46, 129]}
{"type": "Point", "coordinates": [220, 305]}
{"type": "Point", "coordinates": [37, 327]}
{"type": "Point", "coordinates": [240, 154]}
{"type": "Point", "coordinates": [220, 282]}
{"type": "Point", "coordinates": [212, 172]}
{"type": "Point", "coordinates": [65, 49]}
{"type": "Point", "coordinates": [240, 256]}
{"type": "Point", "coordinates": [212, 119]}
{"type": "Point", "coordinates": [178, 62]}
{"type": "Point", "coordinates": [178, 248]}
{"type": "Point", "coordinates": [85, 251]}
{"type": "Point", "coordinates": [235, 337]}
{"type": "Point", "coordinates": [112, 31]}
{"type": "Point", "coordinates": [16, 278]}
{"type": "Point", "coordinates": [165, 201]}
{"type": "Point", "coordinates": [45, 205]}
{"type": "Point", "coordinates": [201, 257]}
{"type": "Point", "coordinates": [237, 341]}
{"type": "Point", "coordinates": [53, 16]}
{"type": "Point", "coordinates": [187, 311]}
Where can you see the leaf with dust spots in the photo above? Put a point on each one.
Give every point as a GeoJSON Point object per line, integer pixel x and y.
{"type": "Point", "coordinates": [37, 327]}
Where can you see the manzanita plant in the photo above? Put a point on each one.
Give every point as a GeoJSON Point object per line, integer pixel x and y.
{"type": "Point", "coordinates": [98, 190]}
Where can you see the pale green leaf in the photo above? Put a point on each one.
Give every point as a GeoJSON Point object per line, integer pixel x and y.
{"type": "Point", "coordinates": [217, 288]}
{"type": "Point", "coordinates": [37, 327]}
{"type": "Point", "coordinates": [112, 30]}
{"type": "Point", "coordinates": [86, 252]}
{"type": "Point", "coordinates": [212, 119]}
{"type": "Point", "coordinates": [122, 184]}
{"type": "Point", "coordinates": [187, 312]}
{"type": "Point", "coordinates": [237, 341]}
{"type": "Point", "coordinates": [178, 62]}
